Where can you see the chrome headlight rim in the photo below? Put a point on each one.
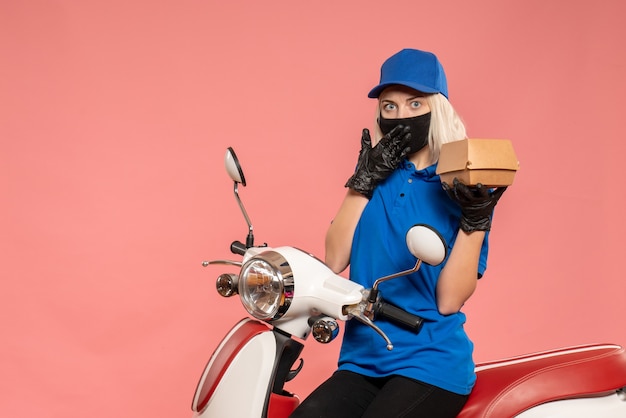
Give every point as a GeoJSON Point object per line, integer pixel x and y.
{"type": "Point", "coordinates": [281, 290]}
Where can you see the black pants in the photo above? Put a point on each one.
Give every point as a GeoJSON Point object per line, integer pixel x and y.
{"type": "Point", "coordinates": [347, 395]}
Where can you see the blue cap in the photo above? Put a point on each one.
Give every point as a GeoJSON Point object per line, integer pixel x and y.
{"type": "Point", "coordinates": [419, 70]}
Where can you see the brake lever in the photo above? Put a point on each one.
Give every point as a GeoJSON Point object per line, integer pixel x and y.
{"type": "Point", "coordinates": [224, 262]}
{"type": "Point", "coordinates": [356, 312]}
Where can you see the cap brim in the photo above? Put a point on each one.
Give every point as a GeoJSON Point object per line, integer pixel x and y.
{"type": "Point", "coordinates": [375, 92]}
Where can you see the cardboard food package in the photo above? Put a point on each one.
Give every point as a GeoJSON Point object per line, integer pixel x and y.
{"type": "Point", "coordinates": [491, 162]}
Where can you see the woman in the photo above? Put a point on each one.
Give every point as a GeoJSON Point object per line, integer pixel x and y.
{"type": "Point", "coordinates": [431, 373]}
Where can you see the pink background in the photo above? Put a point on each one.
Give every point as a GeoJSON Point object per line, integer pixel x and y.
{"type": "Point", "coordinates": [114, 118]}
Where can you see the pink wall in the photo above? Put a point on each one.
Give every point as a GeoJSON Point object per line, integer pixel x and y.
{"type": "Point", "coordinates": [114, 117]}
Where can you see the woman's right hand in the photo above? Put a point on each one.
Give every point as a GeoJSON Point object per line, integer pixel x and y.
{"type": "Point", "coordinates": [376, 163]}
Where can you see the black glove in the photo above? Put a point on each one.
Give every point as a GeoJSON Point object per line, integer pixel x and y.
{"type": "Point", "coordinates": [377, 163]}
{"type": "Point", "coordinates": [477, 204]}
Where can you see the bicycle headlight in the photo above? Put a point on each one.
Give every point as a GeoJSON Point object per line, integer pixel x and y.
{"type": "Point", "coordinates": [266, 285]}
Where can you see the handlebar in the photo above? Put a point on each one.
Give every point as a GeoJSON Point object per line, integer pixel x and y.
{"type": "Point", "coordinates": [400, 316]}
{"type": "Point", "coordinates": [238, 247]}
{"type": "Point", "coordinates": [386, 310]}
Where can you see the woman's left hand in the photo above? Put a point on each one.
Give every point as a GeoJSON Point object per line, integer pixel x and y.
{"type": "Point", "coordinates": [477, 204]}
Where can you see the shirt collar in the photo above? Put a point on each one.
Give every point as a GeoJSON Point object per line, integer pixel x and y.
{"type": "Point", "coordinates": [428, 173]}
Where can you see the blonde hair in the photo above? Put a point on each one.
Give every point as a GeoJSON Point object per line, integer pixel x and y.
{"type": "Point", "coordinates": [445, 125]}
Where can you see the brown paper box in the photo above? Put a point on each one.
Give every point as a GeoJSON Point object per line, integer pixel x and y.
{"type": "Point", "coordinates": [491, 162]}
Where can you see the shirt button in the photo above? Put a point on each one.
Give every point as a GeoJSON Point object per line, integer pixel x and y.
{"type": "Point", "coordinates": [410, 180]}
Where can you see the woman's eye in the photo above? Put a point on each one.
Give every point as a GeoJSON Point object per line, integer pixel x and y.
{"type": "Point", "coordinates": [416, 104]}
{"type": "Point", "coordinates": [389, 106]}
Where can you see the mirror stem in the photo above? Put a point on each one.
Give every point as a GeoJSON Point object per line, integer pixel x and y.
{"type": "Point", "coordinates": [373, 295]}
{"type": "Point", "coordinates": [250, 237]}
{"type": "Point", "coordinates": [393, 276]}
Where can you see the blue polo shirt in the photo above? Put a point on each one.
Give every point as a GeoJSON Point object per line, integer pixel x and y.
{"type": "Point", "coordinates": [441, 353]}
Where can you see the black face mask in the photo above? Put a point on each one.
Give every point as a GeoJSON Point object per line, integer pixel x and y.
{"type": "Point", "coordinates": [419, 127]}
